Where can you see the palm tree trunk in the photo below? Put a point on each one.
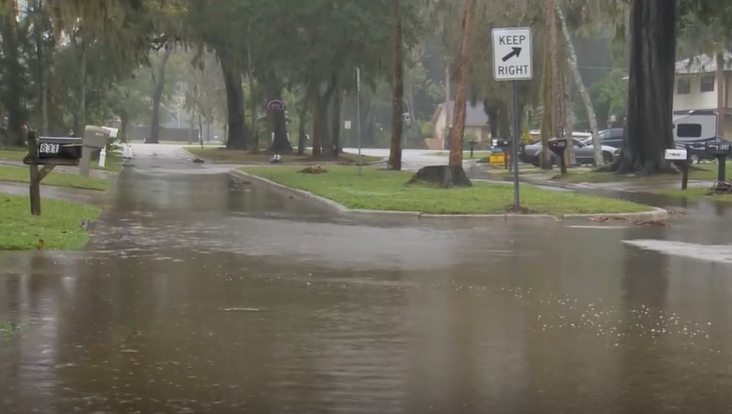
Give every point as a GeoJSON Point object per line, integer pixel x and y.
{"type": "Point", "coordinates": [336, 121]}
{"type": "Point", "coordinates": [81, 118]}
{"type": "Point", "coordinates": [589, 106]}
{"type": "Point", "coordinates": [42, 70]}
{"type": "Point", "coordinates": [463, 79]}
{"type": "Point", "coordinates": [548, 87]}
{"type": "Point", "coordinates": [397, 97]}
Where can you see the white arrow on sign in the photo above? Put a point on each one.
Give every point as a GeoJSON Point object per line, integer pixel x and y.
{"type": "Point", "coordinates": [512, 54]}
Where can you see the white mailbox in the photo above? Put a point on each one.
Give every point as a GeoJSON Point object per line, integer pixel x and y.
{"type": "Point", "coordinates": [676, 155]}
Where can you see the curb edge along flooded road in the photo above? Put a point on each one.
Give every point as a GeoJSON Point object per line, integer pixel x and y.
{"type": "Point", "coordinates": [202, 294]}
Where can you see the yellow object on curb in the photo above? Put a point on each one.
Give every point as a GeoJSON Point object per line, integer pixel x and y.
{"type": "Point", "coordinates": [497, 159]}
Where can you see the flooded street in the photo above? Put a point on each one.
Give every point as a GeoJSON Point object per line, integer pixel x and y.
{"type": "Point", "coordinates": [202, 294]}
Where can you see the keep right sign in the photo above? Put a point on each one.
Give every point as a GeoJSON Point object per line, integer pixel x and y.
{"type": "Point", "coordinates": [512, 54]}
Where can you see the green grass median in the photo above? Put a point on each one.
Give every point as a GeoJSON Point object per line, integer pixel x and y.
{"type": "Point", "coordinates": [59, 226]}
{"type": "Point", "coordinates": [378, 189]}
{"type": "Point", "coordinates": [57, 179]}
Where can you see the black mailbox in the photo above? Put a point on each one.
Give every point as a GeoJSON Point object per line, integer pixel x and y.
{"type": "Point", "coordinates": [501, 143]}
{"type": "Point", "coordinates": [720, 151]}
{"type": "Point", "coordinates": [559, 146]}
{"type": "Point", "coordinates": [58, 151]}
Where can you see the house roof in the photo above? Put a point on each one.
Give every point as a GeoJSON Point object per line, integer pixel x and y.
{"type": "Point", "coordinates": [475, 116]}
{"type": "Point", "coordinates": [702, 64]}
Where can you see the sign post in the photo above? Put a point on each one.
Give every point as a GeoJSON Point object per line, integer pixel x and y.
{"type": "Point", "coordinates": [358, 116]}
{"type": "Point", "coordinates": [681, 157]}
{"type": "Point", "coordinates": [512, 62]}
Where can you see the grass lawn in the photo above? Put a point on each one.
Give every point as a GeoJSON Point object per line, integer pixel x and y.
{"type": "Point", "coordinates": [57, 179]}
{"type": "Point", "coordinates": [699, 172]}
{"type": "Point", "coordinates": [59, 226]}
{"type": "Point", "coordinates": [242, 157]}
{"type": "Point", "coordinates": [697, 193]}
{"type": "Point", "coordinates": [379, 189]}
{"type": "Point", "coordinates": [113, 162]}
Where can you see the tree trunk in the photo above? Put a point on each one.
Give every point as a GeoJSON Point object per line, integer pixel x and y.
{"type": "Point", "coordinates": [589, 106]}
{"type": "Point", "coordinates": [237, 128]}
{"type": "Point", "coordinates": [13, 75]}
{"type": "Point", "coordinates": [336, 121]}
{"type": "Point", "coordinates": [570, 158]}
{"type": "Point", "coordinates": [252, 106]}
{"type": "Point", "coordinates": [42, 70]}
{"type": "Point", "coordinates": [302, 138]}
{"type": "Point", "coordinates": [649, 129]}
{"type": "Point", "coordinates": [463, 79]}
{"type": "Point", "coordinates": [124, 121]}
{"type": "Point", "coordinates": [200, 130]}
{"type": "Point", "coordinates": [492, 112]}
{"type": "Point", "coordinates": [721, 94]}
{"type": "Point", "coordinates": [321, 130]}
{"type": "Point", "coordinates": [548, 89]}
{"type": "Point", "coordinates": [397, 85]}
{"type": "Point", "coordinates": [158, 95]}
{"type": "Point", "coordinates": [81, 119]}
{"type": "Point", "coordinates": [560, 99]}
{"type": "Point", "coordinates": [317, 126]}
{"type": "Point", "coordinates": [253, 109]}
{"type": "Point", "coordinates": [504, 122]}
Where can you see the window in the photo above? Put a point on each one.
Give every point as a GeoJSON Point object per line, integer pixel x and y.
{"type": "Point", "coordinates": [689, 130]}
{"type": "Point", "coordinates": [707, 83]}
{"type": "Point", "coordinates": [683, 86]}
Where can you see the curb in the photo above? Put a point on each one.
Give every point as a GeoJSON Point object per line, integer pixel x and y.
{"type": "Point", "coordinates": [655, 214]}
{"type": "Point", "coordinates": [301, 194]}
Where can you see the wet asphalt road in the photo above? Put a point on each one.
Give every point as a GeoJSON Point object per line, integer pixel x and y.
{"type": "Point", "coordinates": [201, 294]}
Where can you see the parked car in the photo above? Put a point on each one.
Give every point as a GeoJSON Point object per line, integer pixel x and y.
{"type": "Point", "coordinates": [584, 154]}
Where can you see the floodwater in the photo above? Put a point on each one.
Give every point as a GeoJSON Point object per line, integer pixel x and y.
{"type": "Point", "coordinates": [202, 294]}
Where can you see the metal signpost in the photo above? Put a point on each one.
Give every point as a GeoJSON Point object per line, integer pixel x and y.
{"type": "Point", "coordinates": [358, 116]}
{"type": "Point", "coordinates": [512, 62]}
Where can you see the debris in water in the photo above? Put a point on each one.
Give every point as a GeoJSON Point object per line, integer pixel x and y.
{"type": "Point", "coordinates": [243, 310]}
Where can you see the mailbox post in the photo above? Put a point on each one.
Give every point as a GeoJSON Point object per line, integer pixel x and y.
{"type": "Point", "coordinates": [95, 138]}
{"type": "Point", "coordinates": [472, 147]}
{"type": "Point", "coordinates": [48, 152]}
{"type": "Point", "coordinates": [681, 159]}
{"type": "Point", "coordinates": [720, 151]}
{"type": "Point", "coordinates": [558, 147]}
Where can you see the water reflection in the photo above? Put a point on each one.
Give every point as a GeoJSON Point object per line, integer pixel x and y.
{"type": "Point", "coordinates": [203, 294]}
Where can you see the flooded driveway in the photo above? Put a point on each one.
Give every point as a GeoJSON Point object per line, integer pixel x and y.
{"type": "Point", "coordinates": [202, 294]}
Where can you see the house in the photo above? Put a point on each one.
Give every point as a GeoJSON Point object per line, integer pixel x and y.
{"type": "Point", "coordinates": [696, 87]}
{"type": "Point", "coordinates": [476, 121]}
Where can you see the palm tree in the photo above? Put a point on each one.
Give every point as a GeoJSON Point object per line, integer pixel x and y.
{"type": "Point", "coordinates": [397, 99]}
